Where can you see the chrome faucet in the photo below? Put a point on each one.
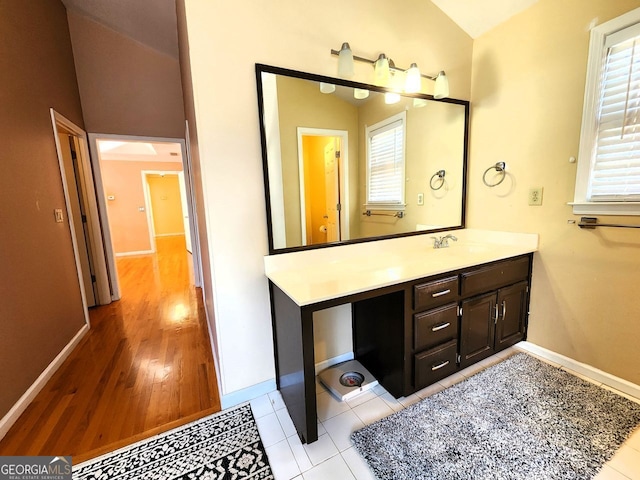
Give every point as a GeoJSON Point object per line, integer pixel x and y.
{"type": "Point", "coordinates": [443, 242]}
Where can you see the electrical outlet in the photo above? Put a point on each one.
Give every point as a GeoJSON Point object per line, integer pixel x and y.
{"type": "Point", "coordinates": [535, 196]}
{"type": "Point", "coordinates": [58, 215]}
{"type": "Point", "coordinates": [421, 199]}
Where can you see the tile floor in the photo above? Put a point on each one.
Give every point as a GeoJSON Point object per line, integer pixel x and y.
{"type": "Point", "coordinates": [333, 456]}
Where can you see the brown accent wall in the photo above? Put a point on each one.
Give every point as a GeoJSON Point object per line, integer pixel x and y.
{"type": "Point", "coordinates": [126, 88]}
{"type": "Point", "coordinates": [41, 305]}
{"type": "Point", "coordinates": [189, 111]}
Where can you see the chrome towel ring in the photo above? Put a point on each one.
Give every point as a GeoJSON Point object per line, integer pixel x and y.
{"type": "Point", "coordinates": [438, 176]}
{"type": "Point", "coordinates": [500, 168]}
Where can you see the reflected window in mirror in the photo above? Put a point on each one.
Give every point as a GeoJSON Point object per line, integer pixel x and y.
{"type": "Point", "coordinates": [315, 149]}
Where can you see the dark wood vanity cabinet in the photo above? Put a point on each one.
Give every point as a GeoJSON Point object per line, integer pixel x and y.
{"type": "Point", "coordinates": [463, 318]}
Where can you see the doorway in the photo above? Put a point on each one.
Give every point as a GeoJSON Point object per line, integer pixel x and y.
{"type": "Point", "coordinates": [323, 172]}
{"type": "Point", "coordinates": [145, 187]}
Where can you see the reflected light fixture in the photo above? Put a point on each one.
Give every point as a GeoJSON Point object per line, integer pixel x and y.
{"type": "Point", "coordinates": [360, 93]}
{"type": "Point", "coordinates": [345, 61]}
{"type": "Point", "coordinates": [383, 69]}
{"type": "Point", "coordinates": [327, 87]}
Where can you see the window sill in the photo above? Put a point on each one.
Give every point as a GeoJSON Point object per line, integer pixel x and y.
{"type": "Point", "coordinates": [605, 208]}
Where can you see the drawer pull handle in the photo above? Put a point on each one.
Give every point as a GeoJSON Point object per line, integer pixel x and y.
{"type": "Point", "coordinates": [440, 327]}
{"type": "Point", "coordinates": [438, 367]}
{"type": "Point", "coordinates": [439, 294]}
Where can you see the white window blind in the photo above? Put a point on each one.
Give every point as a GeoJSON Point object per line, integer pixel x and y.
{"type": "Point", "coordinates": [385, 163]}
{"type": "Point", "coordinates": [615, 172]}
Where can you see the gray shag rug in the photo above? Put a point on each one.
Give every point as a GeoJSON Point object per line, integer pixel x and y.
{"type": "Point", "coordinates": [519, 419]}
{"type": "Point", "coordinates": [223, 446]}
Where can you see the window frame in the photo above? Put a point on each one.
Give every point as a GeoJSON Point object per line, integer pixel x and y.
{"type": "Point", "coordinates": [401, 205]}
{"type": "Point", "coordinates": [588, 132]}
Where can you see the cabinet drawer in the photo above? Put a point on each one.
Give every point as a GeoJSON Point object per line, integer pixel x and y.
{"type": "Point", "coordinates": [435, 326]}
{"type": "Point", "coordinates": [435, 293]}
{"type": "Point", "coordinates": [435, 364]}
{"type": "Point", "coordinates": [494, 276]}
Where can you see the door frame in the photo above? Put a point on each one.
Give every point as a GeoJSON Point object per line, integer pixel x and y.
{"type": "Point", "coordinates": [96, 246]}
{"type": "Point", "coordinates": [343, 177]}
{"type": "Point", "coordinates": [102, 203]}
{"type": "Point", "coordinates": [148, 204]}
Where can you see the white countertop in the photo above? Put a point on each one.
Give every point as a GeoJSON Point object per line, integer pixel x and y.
{"type": "Point", "coordinates": [313, 276]}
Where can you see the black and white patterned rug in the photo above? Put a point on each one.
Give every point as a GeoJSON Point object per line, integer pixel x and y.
{"type": "Point", "coordinates": [225, 445]}
{"type": "Point", "coordinates": [519, 419]}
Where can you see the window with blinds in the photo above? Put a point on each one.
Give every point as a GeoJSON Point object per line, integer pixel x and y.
{"type": "Point", "coordinates": [615, 175]}
{"type": "Point", "coordinates": [386, 163]}
{"type": "Point", "coordinates": [608, 173]}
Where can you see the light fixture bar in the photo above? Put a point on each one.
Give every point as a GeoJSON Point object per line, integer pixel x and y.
{"type": "Point", "coordinates": [372, 62]}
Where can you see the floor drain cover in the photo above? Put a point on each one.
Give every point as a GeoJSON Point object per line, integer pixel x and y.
{"type": "Point", "coordinates": [351, 379]}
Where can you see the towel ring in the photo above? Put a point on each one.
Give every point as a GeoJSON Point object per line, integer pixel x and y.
{"type": "Point", "coordinates": [500, 168]}
{"type": "Point", "coordinates": [440, 176]}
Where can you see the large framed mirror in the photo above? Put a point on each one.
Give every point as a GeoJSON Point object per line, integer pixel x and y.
{"type": "Point", "coordinates": [347, 162]}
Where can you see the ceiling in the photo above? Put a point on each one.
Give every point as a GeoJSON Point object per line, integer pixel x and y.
{"type": "Point", "coordinates": [150, 22]}
{"type": "Point", "coordinates": [153, 22]}
{"type": "Point", "coordinates": [479, 16]}
{"type": "Point", "coordinates": [139, 151]}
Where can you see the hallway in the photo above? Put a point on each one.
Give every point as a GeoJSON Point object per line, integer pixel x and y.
{"type": "Point", "coordinates": [144, 366]}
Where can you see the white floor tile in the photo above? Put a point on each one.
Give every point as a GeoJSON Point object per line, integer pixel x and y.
{"type": "Point", "coordinates": [379, 390]}
{"type": "Point", "coordinates": [341, 427]}
{"type": "Point", "coordinates": [627, 461]}
{"type": "Point", "coordinates": [261, 406]}
{"type": "Point", "coordinates": [321, 430]}
{"type": "Point", "coordinates": [395, 405]}
{"type": "Point", "coordinates": [360, 399]}
{"type": "Point", "coordinates": [300, 454]}
{"type": "Point", "coordinates": [320, 450]}
{"type": "Point", "coordinates": [282, 461]}
{"type": "Point", "coordinates": [276, 400]}
{"type": "Point", "coordinates": [328, 406]}
{"type": "Point", "coordinates": [285, 422]}
{"type": "Point", "coordinates": [373, 410]}
{"type": "Point", "coordinates": [333, 469]}
{"type": "Point", "coordinates": [451, 380]}
{"type": "Point", "coordinates": [472, 370]}
{"type": "Point", "coordinates": [270, 430]}
{"type": "Point", "coordinates": [410, 400]}
{"type": "Point", "coordinates": [506, 353]}
{"type": "Point", "coordinates": [608, 473]}
{"type": "Point", "coordinates": [634, 440]}
{"type": "Point", "coordinates": [357, 465]}
{"type": "Point", "coordinates": [430, 390]}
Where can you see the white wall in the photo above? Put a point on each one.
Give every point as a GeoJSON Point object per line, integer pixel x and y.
{"type": "Point", "coordinates": [226, 39]}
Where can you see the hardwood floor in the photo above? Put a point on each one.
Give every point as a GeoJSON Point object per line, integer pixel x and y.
{"type": "Point", "coordinates": [145, 366]}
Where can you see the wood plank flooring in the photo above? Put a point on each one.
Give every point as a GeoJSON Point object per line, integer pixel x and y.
{"type": "Point", "coordinates": [145, 366]}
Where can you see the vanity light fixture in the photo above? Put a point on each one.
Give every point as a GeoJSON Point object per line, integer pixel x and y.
{"type": "Point", "coordinates": [327, 87]}
{"type": "Point", "coordinates": [345, 61]}
{"type": "Point", "coordinates": [383, 69]}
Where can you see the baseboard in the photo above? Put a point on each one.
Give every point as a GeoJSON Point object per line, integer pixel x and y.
{"type": "Point", "coordinates": [593, 373]}
{"type": "Point", "coordinates": [21, 405]}
{"type": "Point", "coordinates": [333, 361]}
{"type": "Point", "coordinates": [140, 252]}
{"type": "Point", "coordinates": [240, 396]}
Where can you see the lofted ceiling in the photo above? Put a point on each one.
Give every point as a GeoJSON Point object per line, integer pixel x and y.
{"type": "Point", "coordinates": [150, 22]}
{"type": "Point", "coordinates": [153, 22]}
{"type": "Point", "coordinates": [479, 16]}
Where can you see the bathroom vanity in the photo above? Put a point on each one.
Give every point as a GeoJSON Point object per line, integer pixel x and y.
{"type": "Point", "coordinates": [419, 314]}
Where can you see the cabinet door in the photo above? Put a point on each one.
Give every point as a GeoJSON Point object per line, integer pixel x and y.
{"type": "Point", "coordinates": [512, 315]}
{"type": "Point", "coordinates": [477, 328]}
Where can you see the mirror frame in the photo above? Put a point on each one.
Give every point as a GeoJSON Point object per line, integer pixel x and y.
{"type": "Point", "coordinates": [262, 68]}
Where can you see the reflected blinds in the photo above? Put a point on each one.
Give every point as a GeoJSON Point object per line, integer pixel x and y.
{"type": "Point", "coordinates": [386, 164]}
{"type": "Point", "coordinates": [615, 173]}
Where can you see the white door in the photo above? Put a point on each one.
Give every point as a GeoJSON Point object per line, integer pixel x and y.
{"type": "Point", "coordinates": [185, 211]}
